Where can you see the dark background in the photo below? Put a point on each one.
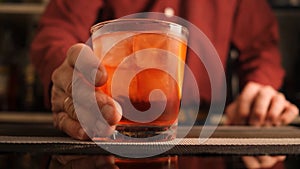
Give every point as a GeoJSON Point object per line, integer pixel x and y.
{"type": "Point", "coordinates": [21, 90]}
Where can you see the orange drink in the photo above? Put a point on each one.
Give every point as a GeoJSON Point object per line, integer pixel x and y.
{"type": "Point", "coordinates": [140, 60]}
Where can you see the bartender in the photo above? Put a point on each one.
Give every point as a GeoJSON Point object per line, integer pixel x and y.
{"type": "Point", "coordinates": [248, 25]}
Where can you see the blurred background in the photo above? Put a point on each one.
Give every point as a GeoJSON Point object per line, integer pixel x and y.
{"type": "Point", "coordinates": [21, 90]}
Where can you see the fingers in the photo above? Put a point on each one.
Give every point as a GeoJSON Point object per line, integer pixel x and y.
{"type": "Point", "coordinates": [92, 101]}
{"type": "Point", "coordinates": [251, 162]}
{"type": "Point", "coordinates": [68, 125]}
{"type": "Point", "coordinates": [276, 108]}
{"type": "Point", "coordinates": [239, 111]}
{"type": "Point", "coordinates": [262, 161]}
{"type": "Point", "coordinates": [289, 114]}
{"type": "Point", "coordinates": [61, 102]}
{"type": "Point", "coordinates": [272, 109]}
{"type": "Point", "coordinates": [69, 108]}
{"type": "Point", "coordinates": [62, 78]}
{"type": "Point", "coordinates": [110, 109]}
{"type": "Point", "coordinates": [93, 123]}
{"type": "Point", "coordinates": [88, 103]}
{"type": "Point", "coordinates": [81, 71]}
{"type": "Point", "coordinates": [82, 58]}
{"type": "Point", "coordinates": [102, 130]}
{"type": "Point", "coordinates": [57, 99]}
{"type": "Point", "coordinates": [231, 111]}
{"type": "Point", "coordinates": [260, 106]}
{"type": "Point", "coordinates": [98, 113]}
{"type": "Point", "coordinates": [87, 63]}
{"type": "Point", "coordinates": [245, 102]}
{"type": "Point", "coordinates": [280, 158]}
{"type": "Point", "coordinates": [267, 161]}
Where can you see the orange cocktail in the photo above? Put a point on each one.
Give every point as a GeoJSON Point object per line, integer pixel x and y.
{"type": "Point", "coordinates": [135, 50]}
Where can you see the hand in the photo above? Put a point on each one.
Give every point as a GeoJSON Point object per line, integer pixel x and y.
{"type": "Point", "coordinates": [262, 161]}
{"type": "Point", "coordinates": [260, 105]}
{"type": "Point", "coordinates": [91, 162]}
{"type": "Point", "coordinates": [85, 77]}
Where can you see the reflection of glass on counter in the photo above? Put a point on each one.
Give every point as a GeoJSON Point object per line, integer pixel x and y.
{"type": "Point", "coordinates": [98, 161]}
{"type": "Point", "coordinates": [168, 162]}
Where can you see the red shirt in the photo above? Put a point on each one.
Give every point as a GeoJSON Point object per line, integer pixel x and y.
{"type": "Point", "coordinates": [247, 24]}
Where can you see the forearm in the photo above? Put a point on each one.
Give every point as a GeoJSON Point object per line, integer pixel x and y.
{"type": "Point", "coordinates": [260, 59]}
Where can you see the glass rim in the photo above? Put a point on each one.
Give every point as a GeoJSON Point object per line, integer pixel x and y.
{"type": "Point", "coordinates": [95, 27]}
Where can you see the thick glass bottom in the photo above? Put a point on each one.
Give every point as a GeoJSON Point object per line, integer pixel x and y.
{"type": "Point", "coordinates": [145, 133]}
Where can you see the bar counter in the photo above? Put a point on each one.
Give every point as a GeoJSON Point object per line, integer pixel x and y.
{"type": "Point", "coordinates": [37, 136]}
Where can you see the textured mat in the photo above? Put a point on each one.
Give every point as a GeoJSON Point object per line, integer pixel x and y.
{"type": "Point", "coordinates": [41, 138]}
{"type": "Point", "coordinates": [34, 132]}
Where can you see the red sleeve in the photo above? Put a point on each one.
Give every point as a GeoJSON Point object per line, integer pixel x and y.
{"type": "Point", "coordinates": [64, 23]}
{"type": "Point", "coordinates": [255, 34]}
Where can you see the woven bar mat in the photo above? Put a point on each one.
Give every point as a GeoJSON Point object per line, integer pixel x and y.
{"type": "Point", "coordinates": [187, 146]}
{"type": "Point", "coordinates": [231, 140]}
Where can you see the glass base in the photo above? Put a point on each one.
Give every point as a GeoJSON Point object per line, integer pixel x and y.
{"type": "Point", "coordinates": [144, 133]}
